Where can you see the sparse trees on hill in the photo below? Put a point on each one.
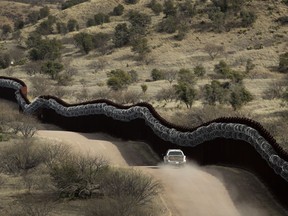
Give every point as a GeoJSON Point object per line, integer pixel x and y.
{"type": "Point", "coordinates": [157, 74]}
{"type": "Point", "coordinates": [140, 46]}
{"type": "Point", "coordinates": [52, 69]}
{"type": "Point", "coordinates": [239, 97]}
{"type": "Point", "coordinates": [169, 8]}
{"type": "Point", "coordinates": [101, 18]}
{"type": "Point", "coordinates": [248, 18]}
{"type": "Point", "coordinates": [84, 41]}
{"type": "Point", "coordinates": [156, 7]}
{"type": "Point", "coordinates": [44, 12]}
{"type": "Point", "coordinates": [6, 29]}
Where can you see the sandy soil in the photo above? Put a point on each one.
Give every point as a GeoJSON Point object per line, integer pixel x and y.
{"type": "Point", "coordinates": [191, 190]}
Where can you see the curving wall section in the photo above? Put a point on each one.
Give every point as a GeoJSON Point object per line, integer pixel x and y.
{"type": "Point", "coordinates": [232, 141]}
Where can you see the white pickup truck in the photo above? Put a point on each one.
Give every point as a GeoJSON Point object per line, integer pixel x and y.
{"type": "Point", "coordinates": [175, 157]}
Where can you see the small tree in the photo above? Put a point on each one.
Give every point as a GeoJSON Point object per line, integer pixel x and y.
{"type": "Point", "coordinates": [218, 19]}
{"type": "Point", "coordinates": [101, 18]}
{"type": "Point", "coordinates": [61, 28]}
{"type": "Point", "coordinates": [121, 35]}
{"type": "Point", "coordinates": [157, 74]}
{"type": "Point", "coordinates": [33, 17]}
{"type": "Point", "coordinates": [249, 66]}
{"type": "Point", "coordinates": [19, 24]}
{"type": "Point", "coordinates": [214, 50]}
{"type": "Point", "coordinates": [168, 25]}
{"type": "Point", "coordinates": [222, 69]}
{"type": "Point", "coordinates": [72, 25]}
{"type": "Point", "coordinates": [186, 76]}
{"type": "Point", "coordinates": [140, 47]}
{"type": "Point", "coordinates": [44, 12]}
{"type": "Point", "coordinates": [248, 18]}
{"type": "Point", "coordinates": [5, 60]}
{"type": "Point", "coordinates": [6, 29]}
{"type": "Point", "coordinates": [118, 79]}
{"type": "Point", "coordinates": [216, 92]}
{"type": "Point", "coordinates": [169, 8]}
{"type": "Point", "coordinates": [84, 41]}
{"type": "Point", "coordinates": [45, 49]}
{"type": "Point", "coordinates": [186, 93]}
{"type": "Point", "coordinates": [171, 75]}
{"type": "Point", "coordinates": [283, 63]}
{"type": "Point", "coordinates": [118, 10]}
{"type": "Point", "coordinates": [52, 69]}
{"type": "Point", "coordinates": [144, 88]}
{"type": "Point", "coordinates": [77, 176]}
{"type": "Point", "coordinates": [239, 97]}
{"type": "Point", "coordinates": [199, 71]}
{"type": "Point", "coordinates": [156, 7]}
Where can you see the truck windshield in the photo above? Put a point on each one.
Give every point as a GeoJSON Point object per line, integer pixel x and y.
{"type": "Point", "coordinates": [175, 153]}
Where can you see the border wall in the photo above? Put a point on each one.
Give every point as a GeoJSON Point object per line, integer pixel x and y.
{"type": "Point", "coordinates": [239, 142]}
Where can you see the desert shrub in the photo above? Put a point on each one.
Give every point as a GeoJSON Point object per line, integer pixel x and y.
{"type": "Point", "coordinates": [77, 176]}
{"type": "Point", "coordinates": [170, 76]}
{"type": "Point", "coordinates": [283, 63]}
{"type": "Point", "coordinates": [168, 25]}
{"type": "Point", "coordinates": [131, 1]}
{"type": "Point", "coordinates": [199, 71]}
{"type": "Point", "coordinates": [34, 39]}
{"type": "Point", "coordinates": [71, 3]}
{"type": "Point", "coordinates": [247, 18]}
{"type": "Point", "coordinates": [90, 22]}
{"type": "Point", "coordinates": [33, 17]}
{"type": "Point", "coordinates": [72, 25]}
{"type": "Point", "coordinates": [118, 79]}
{"type": "Point", "coordinates": [166, 94]}
{"type": "Point", "coordinates": [139, 24]}
{"type": "Point", "coordinates": [6, 29]}
{"type": "Point", "coordinates": [121, 35]}
{"type": "Point", "coordinates": [44, 12]}
{"type": "Point", "coordinates": [140, 47]}
{"type": "Point", "coordinates": [249, 66]}
{"type": "Point", "coordinates": [156, 7]}
{"type": "Point", "coordinates": [218, 19]}
{"type": "Point", "coordinates": [84, 41]}
{"type": "Point", "coordinates": [276, 89]}
{"type": "Point", "coordinates": [285, 2]}
{"type": "Point", "coordinates": [19, 24]}
{"type": "Point", "coordinates": [222, 69]}
{"type": "Point", "coordinates": [169, 8]}
{"type": "Point", "coordinates": [5, 60]}
{"type": "Point", "coordinates": [144, 88]}
{"type": "Point", "coordinates": [216, 92]}
{"type": "Point", "coordinates": [283, 20]}
{"type": "Point", "coordinates": [100, 41]}
{"type": "Point", "coordinates": [239, 97]}
{"type": "Point", "coordinates": [134, 76]}
{"type": "Point", "coordinates": [61, 28]}
{"type": "Point", "coordinates": [46, 27]}
{"type": "Point", "coordinates": [187, 9]}
{"type": "Point", "coordinates": [52, 69]}
{"type": "Point", "coordinates": [185, 93]}
{"type": "Point", "coordinates": [157, 74]}
{"type": "Point", "coordinates": [101, 18]}
{"type": "Point", "coordinates": [45, 49]}
{"type": "Point", "coordinates": [186, 76]}
{"type": "Point", "coordinates": [118, 10]}
{"type": "Point", "coordinates": [21, 156]}
{"type": "Point", "coordinates": [214, 50]}
{"type": "Point", "coordinates": [132, 188]}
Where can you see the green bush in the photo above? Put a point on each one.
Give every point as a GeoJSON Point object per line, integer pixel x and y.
{"type": "Point", "coordinates": [156, 7]}
{"type": "Point", "coordinates": [101, 18]}
{"type": "Point", "coordinates": [84, 41]}
{"type": "Point", "coordinates": [72, 25]}
{"type": "Point", "coordinates": [199, 71]}
{"type": "Point", "coordinates": [157, 74]}
{"type": "Point", "coordinates": [169, 8]}
{"type": "Point", "coordinates": [118, 79]}
{"type": "Point", "coordinates": [121, 35]}
{"type": "Point", "coordinates": [6, 29]}
{"type": "Point", "coordinates": [239, 97]}
{"type": "Point", "coordinates": [90, 22]}
{"type": "Point", "coordinates": [52, 69]}
{"type": "Point", "coordinates": [46, 49]}
{"type": "Point", "coordinates": [168, 25]}
{"type": "Point", "coordinates": [44, 12]}
{"type": "Point", "coordinates": [222, 69]}
{"type": "Point", "coordinates": [248, 18]}
{"type": "Point", "coordinates": [5, 60]}
{"type": "Point", "coordinates": [33, 17]}
{"type": "Point", "coordinates": [61, 28]}
{"type": "Point", "coordinates": [216, 92]}
{"type": "Point", "coordinates": [118, 10]}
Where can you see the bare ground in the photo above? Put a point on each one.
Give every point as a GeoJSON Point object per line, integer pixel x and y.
{"type": "Point", "coordinates": [191, 190]}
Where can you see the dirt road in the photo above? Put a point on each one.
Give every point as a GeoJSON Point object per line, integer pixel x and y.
{"type": "Point", "coordinates": [191, 190]}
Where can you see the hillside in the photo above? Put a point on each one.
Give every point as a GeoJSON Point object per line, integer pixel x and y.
{"type": "Point", "coordinates": [262, 43]}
